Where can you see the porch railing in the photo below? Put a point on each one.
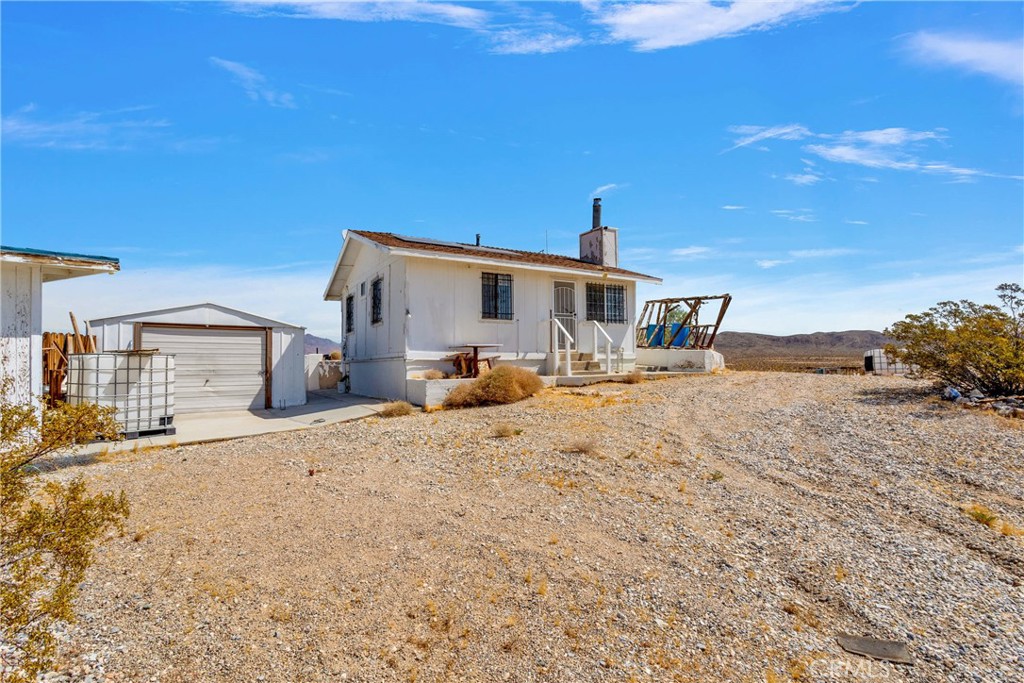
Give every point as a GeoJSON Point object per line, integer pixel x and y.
{"type": "Point", "coordinates": [558, 331]}
{"type": "Point", "coordinates": [607, 345]}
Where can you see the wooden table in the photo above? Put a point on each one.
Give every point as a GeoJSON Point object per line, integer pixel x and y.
{"type": "Point", "coordinates": [476, 353]}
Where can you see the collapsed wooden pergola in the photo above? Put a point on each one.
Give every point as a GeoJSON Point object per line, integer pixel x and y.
{"type": "Point", "coordinates": [675, 323]}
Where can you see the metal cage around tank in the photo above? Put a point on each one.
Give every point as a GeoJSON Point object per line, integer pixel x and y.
{"type": "Point", "coordinates": [139, 385]}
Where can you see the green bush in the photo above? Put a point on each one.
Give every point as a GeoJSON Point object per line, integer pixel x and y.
{"type": "Point", "coordinates": [47, 533]}
{"type": "Point", "coordinates": [505, 384]}
{"type": "Point", "coordinates": [967, 345]}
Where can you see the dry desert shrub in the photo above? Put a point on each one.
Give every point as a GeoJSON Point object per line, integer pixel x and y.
{"type": "Point", "coordinates": [505, 384]}
{"type": "Point", "coordinates": [580, 447]}
{"type": "Point", "coordinates": [433, 374]}
{"type": "Point", "coordinates": [635, 377]}
{"type": "Point", "coordinates": [504, 430]}
{"type": "Point", "coordinates": [981, 515]}
{"type": "Point", "coordinates": [396, 409]}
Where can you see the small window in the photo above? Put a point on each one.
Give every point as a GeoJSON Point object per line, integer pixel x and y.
{"type": "Point", "coordinates": [595, 302]}
{"type": "Point", "coordinates": [362, 288]}
{"type": "Point", "coordinates": [606, 303]}
{"type": "Point", "coordinates": [350, 314]}
{"type": "Point", "coordinates": [615, 304]}
{"type": "Point", "coordinates": [377, 301]}
{"type": "Point", "coordinates": [496, 296]}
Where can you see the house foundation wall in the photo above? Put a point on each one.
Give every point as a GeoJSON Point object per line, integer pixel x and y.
{"type": "Point", "coordinates": [383, 378]}
{"type": "Point", "coordinates": [681, 359]}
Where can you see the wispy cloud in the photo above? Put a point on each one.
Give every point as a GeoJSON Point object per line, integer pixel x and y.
{"type": "Point", "coordinates": [255, 84]}
{"type": "Point", "coordinates": [803, 178]}
{"type": "Point", "coordinates": [659, 25]}
{"type": "Point", "coordinates": [894, 148]}
{"type": "Point", "coordinates": [753, 134]}
{"type": "Point", "coordinates": [803, 254]}
{"type": "Point", "coordinates": [116, 130]}
{"type": "Point", "coordinates": [852, 222]}
{"type": "Point", "coordinates": [823, 253]}
{"type": "Point", "coordinates": [605, 189]}
{"type": "Point", "coordinates": [771, 263]}
{"type": "Point", "coordinates": [797, 215]}
{"type": "Point", "coordinates": [694, 252]}
{"type": "Point", "coordinates": [733, 207]}
{"type": "Point", "coordinates": [1001, 59]}
{"type": "Point", "coordinates": [517, 41]}
{"type": "Point", "coordinates": [508, 29]}
{"type": "Point", "coordinates": [444, 13]}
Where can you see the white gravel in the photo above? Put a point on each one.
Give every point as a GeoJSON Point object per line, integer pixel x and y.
{"type": "Point", "coordinates": [709, 528]}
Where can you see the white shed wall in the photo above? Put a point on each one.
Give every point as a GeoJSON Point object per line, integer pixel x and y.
{"type": "Point", "coordinates": [288, 384]}
{"type": "Point", "coordinates": [21, 339]}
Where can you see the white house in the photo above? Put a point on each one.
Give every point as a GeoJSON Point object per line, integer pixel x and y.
{"type": "Point", "coordinates": [22, 274]}
{"type": "Point", "coordinates": [407, 303]}
{"type": "Point", "coordinates": [225, 359]}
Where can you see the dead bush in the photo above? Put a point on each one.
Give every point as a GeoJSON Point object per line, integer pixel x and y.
{"type": "Point", "coordinates": [634, 377]}
{"type": "Point", "coordinates": [396, 409]}
{"type": "Point", "coordinates": [504, 430]}
{"type": "Point", "coordinates": [433, 374]}
{"type": "Point", "coordinates": [580, 447]}
{"type": "Point", "coordinates": [505, 384]}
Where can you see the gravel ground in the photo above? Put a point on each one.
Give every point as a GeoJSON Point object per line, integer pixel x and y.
{"type": "Point", "coordinates": [708, 528]}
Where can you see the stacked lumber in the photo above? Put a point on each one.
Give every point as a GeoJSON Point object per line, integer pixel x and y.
{"type": "Point", "coordinates": [57, 346]}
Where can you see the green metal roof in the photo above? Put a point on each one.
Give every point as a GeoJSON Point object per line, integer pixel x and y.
{"type": "Point", "coordinates": [56, 254]}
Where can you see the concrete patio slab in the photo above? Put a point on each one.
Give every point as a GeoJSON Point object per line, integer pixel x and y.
{"type": "Point", "coordinates": [323, 407]}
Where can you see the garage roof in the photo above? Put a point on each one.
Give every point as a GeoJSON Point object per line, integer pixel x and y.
{"type": "Point", "coordinates": [197, 314]}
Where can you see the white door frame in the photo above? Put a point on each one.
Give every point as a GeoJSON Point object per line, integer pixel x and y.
{"type": "Point", "coordinates": [565, 309]}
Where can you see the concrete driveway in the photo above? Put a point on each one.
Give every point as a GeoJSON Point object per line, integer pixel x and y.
{"type": "Point", "coordinates": [322, 408]}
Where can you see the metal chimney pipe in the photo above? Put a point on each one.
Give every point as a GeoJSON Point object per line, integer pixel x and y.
{"type": "Point", "coordinates": [478, 239]}
{"type": "Point", "coordinates": [597, 213]}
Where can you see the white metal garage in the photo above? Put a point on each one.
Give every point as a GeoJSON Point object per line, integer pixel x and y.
{"type": "Point", "coordinates": [225, 359]}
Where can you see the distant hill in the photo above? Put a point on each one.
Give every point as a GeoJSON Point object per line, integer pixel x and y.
{"type": "Point", "coordinates": [315, 344]}
{"type": "Point", "coordinates": [851, 343]}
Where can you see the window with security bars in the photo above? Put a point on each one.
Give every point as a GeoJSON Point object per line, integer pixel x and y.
{"type": "Point", "coordinates": [376, 301]}
{"type": "Point", "coordinates": [350, 314]}
{"type": "Point", "coordinates": [496, 296]}
{"type": "Point", "coordinates": [606, 303]}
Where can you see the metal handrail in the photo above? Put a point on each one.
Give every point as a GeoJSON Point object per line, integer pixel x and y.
{"type": "Point", "coordinates": [568, 350]}
{"type": "Point", "coordinates": [564, 331]}
{"type": "Point", "coordinates": [607, 345]}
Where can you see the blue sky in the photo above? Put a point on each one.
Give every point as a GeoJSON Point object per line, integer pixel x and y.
{"type": "Point", "coordinates": [833, 166]}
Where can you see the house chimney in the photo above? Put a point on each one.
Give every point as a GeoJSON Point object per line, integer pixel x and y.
{"type": "Point", "coordinates": [600, 245]}
{"type": "Point", "coordinates": [478, 239]}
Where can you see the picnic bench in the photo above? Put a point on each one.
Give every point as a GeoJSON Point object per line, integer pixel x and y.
{"type": "Point", "coordinates": [468, 363]}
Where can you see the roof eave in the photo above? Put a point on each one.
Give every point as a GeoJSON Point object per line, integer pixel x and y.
{"type": "Point", "coordinates": [55, 266]}
{"type": "Point", "coordinates": [526, 265]}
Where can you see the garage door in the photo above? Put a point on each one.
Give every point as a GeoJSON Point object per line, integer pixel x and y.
{"type": "Point", "coordinates": [215, 369]}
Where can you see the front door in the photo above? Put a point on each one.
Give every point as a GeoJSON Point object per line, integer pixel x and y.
{"type": "Point", "coordinates": [565, 310]}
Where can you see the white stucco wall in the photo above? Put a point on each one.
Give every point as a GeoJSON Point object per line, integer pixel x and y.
{"type": "Point", "coordinates": [288, 377]}
{"type": "Point", "coordinates": [381, 378]}
{"type": "Point", "coordinates": [384, 340]}
{"type": "Point", "coordinates": [445, 310]}
{"type": "Point", "coordinates": [21, 340]}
